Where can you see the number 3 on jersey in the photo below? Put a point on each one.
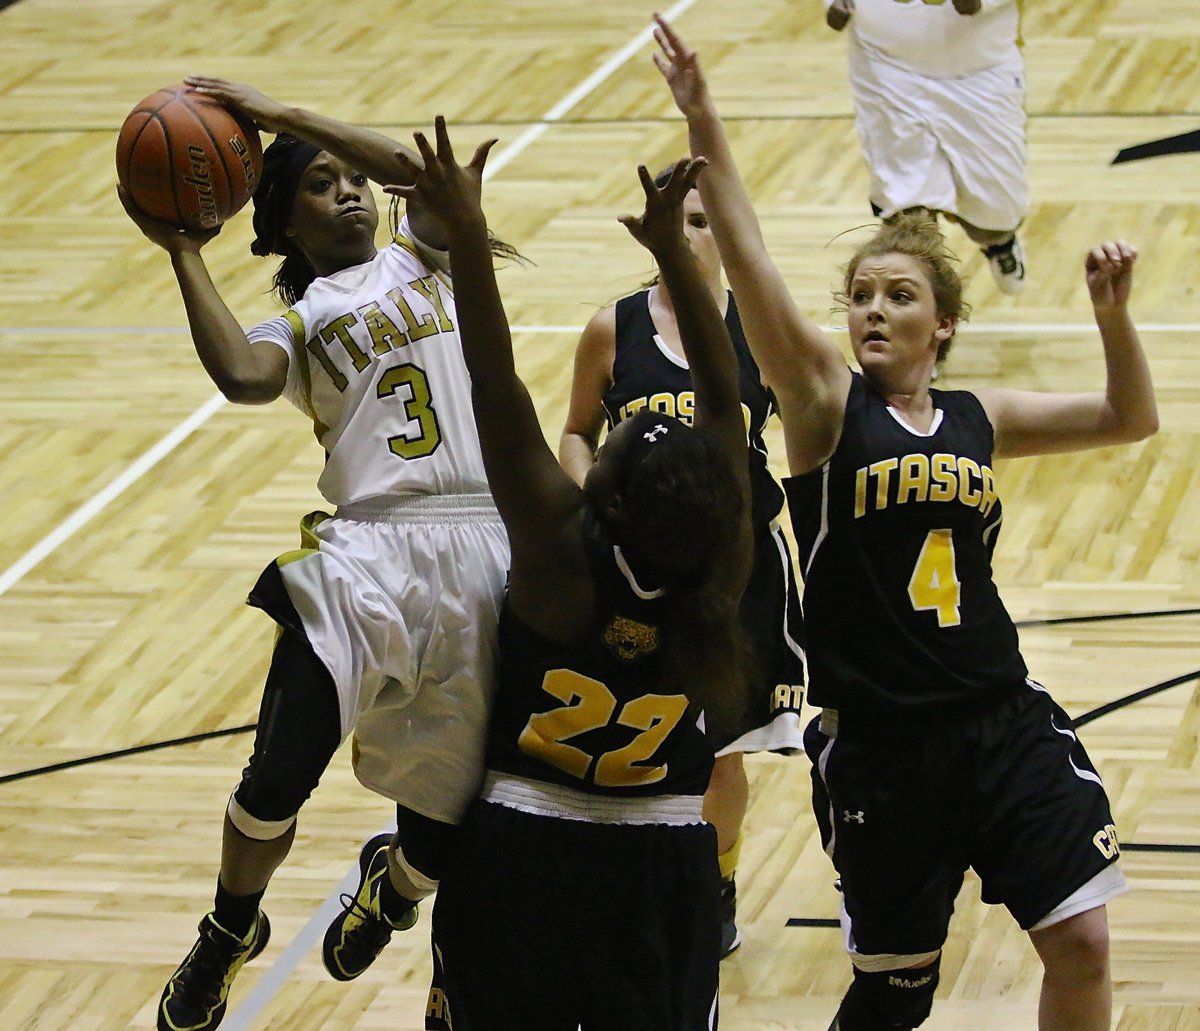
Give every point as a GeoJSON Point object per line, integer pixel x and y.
{"type": "Point", "coordinates": [589, 705]}
{"type": "Point", "coordinates": [418, 407]}
{"type": "Point", "coordinates": [934, 585]}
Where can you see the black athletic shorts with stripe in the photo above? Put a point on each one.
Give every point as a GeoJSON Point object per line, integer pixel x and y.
{"type": "Point", "coordinates": [1009, 792]}
{"type": "Point", "coordinates": [548, 924]}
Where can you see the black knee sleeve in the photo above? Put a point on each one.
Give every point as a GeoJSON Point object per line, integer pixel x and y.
{"type": "Point", "coordinates": [423, 845]}
{"type": "Point", "coordinates": [889, 1000]}
{"type": "Point", "coordinates": [299, 729]}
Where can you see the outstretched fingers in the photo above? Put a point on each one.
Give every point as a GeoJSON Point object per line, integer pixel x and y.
{"type": "Point", "coordinates": [479, 158]}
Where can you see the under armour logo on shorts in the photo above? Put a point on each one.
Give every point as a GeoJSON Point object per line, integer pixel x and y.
{"type": "Point", "coordinates": [849, 817]}
{"type": "Point", "coordinates": [653, 434]}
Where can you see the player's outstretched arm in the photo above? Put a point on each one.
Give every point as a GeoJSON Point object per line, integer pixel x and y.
{"type": "Point", "coordinates": [799, 363]}
{"type": "Point", "coordinates": [1032, 423]}
{"type": "Point", "coordinates": [533, 493]}
{"type": "Point", "coordinates": [367, 150]}
{"type": "Point", "coordinates": [245, 373]}
{"type": "Point", "coordinates": [702, 331]}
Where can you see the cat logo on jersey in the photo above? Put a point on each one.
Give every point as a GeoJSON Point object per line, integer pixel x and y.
{"type": "Point", "coordinates": [628, 639]}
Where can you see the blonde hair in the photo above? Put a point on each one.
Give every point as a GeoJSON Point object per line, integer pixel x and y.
{"type": "Point", "coordinates": [917, 234]}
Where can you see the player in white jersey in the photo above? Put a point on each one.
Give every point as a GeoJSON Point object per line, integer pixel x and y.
{"type": "Point", "coordinates": [939, 101]}
{"type": "Point", "coordinates": [388, 612]}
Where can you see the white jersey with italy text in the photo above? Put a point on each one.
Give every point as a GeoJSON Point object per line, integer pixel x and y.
{"type": "Point", "coordinates": [933, 39]}
{"type": "Point", "coordinates": [375, 361]}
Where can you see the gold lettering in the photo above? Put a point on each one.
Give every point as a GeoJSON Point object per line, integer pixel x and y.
{"type": "Point", "coordinates": [787, 696]}
{"type": "Point", "coordinates": [417, 329]}
{"type": "Point", "coordinates": [436, 1007]}
{"type": "Point", "coordinates": [1106, 842]}
{"type": "Point", "coordinates": [663, 403]}
{"type": "Point", "coordinates": [989, 491]}
{"type": "Point", "coordinates": [913, 480]}
{"type": "Point", "coordinates": [883, 471]}
{"type": "Point", "coordinates": [685, 406]}
{"type": "Point", "coordinates": [967, 494]}
{"type": "Point", "coordinates": [385, 334]}
{"type": "Point", "coordinates": [427, 287]}
{"type": "Point", "coordinates": [860, 493]}
{"type": "Point", "coordinates": [316, 347]}
{"type": "Point", "coordinates": [339, 330]}
{"type": "Point", "coordinates": [945, 483]}
{"type": "Point", "coordinates": [632, 408]}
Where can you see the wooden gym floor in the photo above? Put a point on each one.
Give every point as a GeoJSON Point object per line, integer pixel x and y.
{"type": "Point", "coordinates": [139, 508]}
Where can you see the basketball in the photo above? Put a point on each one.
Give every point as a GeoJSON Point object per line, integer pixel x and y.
{"type": "Point", "coordinates": [187, 160]}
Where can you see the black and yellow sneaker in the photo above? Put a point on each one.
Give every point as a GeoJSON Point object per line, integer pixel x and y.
{"type": "Point", "coordinates": [731, 937]}
{"type": "Point", "coordinates": [195, 996]}
{"type": "Point", "coordinates": [359, 934]}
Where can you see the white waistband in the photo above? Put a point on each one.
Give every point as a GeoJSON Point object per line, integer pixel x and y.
{"type": "Point", "coordinates": [421, 508]}
{"type": "Point", "coordinates": [543, 799]}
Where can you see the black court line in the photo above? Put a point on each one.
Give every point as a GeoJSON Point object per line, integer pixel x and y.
{"type": "Point", "coordinates": [1107, 617]}
{"type": "Point", "coordinates": [1137, 696]}
{"type": "Point", "coordinates": [154, 746]}
{"type": "Point", "coordinates": [521, 123]}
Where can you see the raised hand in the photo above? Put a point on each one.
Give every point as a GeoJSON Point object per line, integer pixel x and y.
{"type": "Point", "coordinates": [243, 99]}
{"type": "Point", "coordinates": [660, 226]}
{"type": "Point", "coordinates": [170, 238]}
{"type": "Point", "coordinates": [1109, 269]}
{"type": "Point", "coordinates": [680, 67]}
{"type": "Point", "coordinates": [447, 190]}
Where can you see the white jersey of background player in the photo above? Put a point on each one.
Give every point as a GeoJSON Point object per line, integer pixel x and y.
{"type": "Point", "coordinates": [939, 103]}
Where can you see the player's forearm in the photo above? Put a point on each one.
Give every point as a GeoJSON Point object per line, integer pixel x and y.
{"type": "Point", "coordinates": [575, 455]}
{"type": "Point", "coordinates": [703, 333]}
{"type": "Point", "coordinates": [726, 200]}
{"type": "Point", "coordinates": [365, 149]}
{"type": "Point", "coordinates": [228, 357]}
{"type": "Point", "coordinates": [1129, 390]}
{"type": "Point", "coordinates": [482, 322]}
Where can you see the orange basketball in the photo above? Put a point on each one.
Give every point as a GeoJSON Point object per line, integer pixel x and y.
{"type": "Point", "coordinates": [187, 160]}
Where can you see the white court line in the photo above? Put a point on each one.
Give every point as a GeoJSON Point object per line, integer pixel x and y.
{"type": "Point", "coordinates": [88, 511]}
{"type": "Point", "coordinates": [1037, 328]}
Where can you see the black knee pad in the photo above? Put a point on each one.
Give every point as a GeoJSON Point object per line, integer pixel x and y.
{"type": "Point", "coordinates": [423, 844]}
{"type": "Point", "coordinates": [889, 1000]}
{"type": "Point", "coordinates": [299, 729]}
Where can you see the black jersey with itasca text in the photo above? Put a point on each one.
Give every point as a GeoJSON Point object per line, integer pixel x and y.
{"type": "Point", "coordinates": [895, 535]}
{"type": "Point", "coordinates": [594, 716]}
{"type": "Point", "coordinates": [648, 375]}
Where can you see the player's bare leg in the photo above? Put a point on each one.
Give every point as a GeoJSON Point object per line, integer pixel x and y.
{"type": "Point", "coordinates": [725, 804]}
{"type": "Point", "coordinates": [1077, 986]}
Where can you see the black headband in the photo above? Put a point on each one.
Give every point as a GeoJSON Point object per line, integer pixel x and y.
{"type": "Point", "coordinates": [276, 192]}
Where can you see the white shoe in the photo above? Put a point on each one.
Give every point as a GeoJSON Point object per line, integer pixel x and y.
{"type": "Point", "coordinates": [1007, 262]}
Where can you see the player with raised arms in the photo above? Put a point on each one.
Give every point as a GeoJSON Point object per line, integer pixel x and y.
{"type": "Point", "coordinates": [934, 750]}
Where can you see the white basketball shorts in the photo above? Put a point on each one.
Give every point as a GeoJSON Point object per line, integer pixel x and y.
{"type": "Point", "coordinates": [955, 145]}
{"type": "Point", "coordinates": [400, 598]}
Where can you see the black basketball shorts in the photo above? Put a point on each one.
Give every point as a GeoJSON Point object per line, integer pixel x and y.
{"type": "Point", "coordinates": [548, 924]}
{"type": "Point", "coordinates": [1009, 792]}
